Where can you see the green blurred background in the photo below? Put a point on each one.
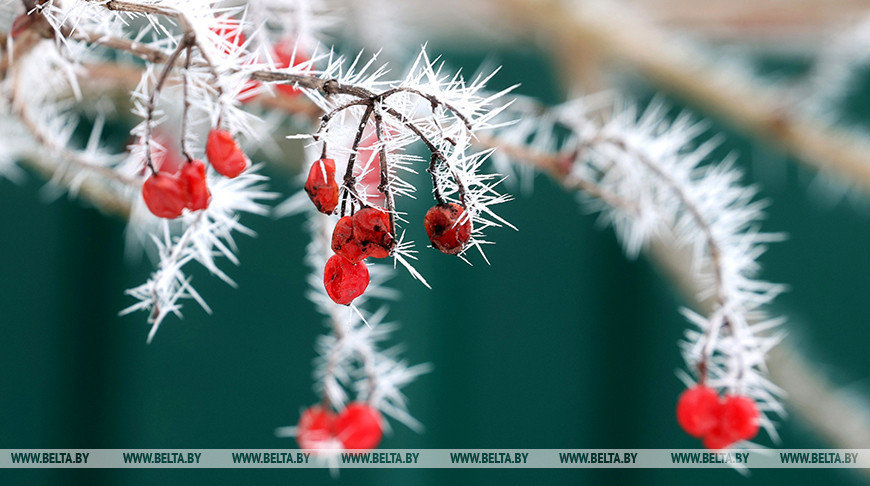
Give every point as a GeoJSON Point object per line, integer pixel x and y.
{"type": "Point", "coordinates": [561, 343]}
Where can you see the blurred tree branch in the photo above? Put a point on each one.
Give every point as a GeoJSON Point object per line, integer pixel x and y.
{"type": "Point", "coordinates": [676, 67]}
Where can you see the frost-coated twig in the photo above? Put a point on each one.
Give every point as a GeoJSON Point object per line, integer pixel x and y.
{"type": "Point", "coordinates": [558, 167]}
{"type": "Point", "coordinates": [67, 155]}
{"type": "Point", "coordinates": [207, 234]}
{"type": "Point", "coordinates": [361, 96]}
{"type": "Point", "coordinates": [701, 206]}
{"type": "Point", "coordinates": [79, 160]}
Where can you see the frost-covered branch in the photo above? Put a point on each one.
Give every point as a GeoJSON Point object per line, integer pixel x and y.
{"type": "Point", "coordinates": [207, 234]}
{"type": "Point", "coordinates": [32, 91]}
{"type": "Point", "coordinates": [701, 206]}
{"type": "Point", "coordinates": [210, 53]}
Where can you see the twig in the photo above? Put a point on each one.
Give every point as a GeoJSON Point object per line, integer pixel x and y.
{"type": "Point", "coordinates": [385, 186]}
{"type": "Point", "coordinates": [555, 167]}
{"type": "Point", "coordinates": [349, 178]}
{"type": "Point", "coordinates": [184, 45]}
{"type": "Point", "coordinates": [186, 108]}
{"type": "Point", "coordinates": [72, 157]}
{"type": "Point", "coordinates": [713, 248]}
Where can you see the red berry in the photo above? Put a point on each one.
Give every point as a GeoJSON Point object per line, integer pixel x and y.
{"type": "Point", "coordinates": [371, 231]}
{"type": "Point", "coordinates": [698, 410]}
{"type": "Point", "coordinates": [164, 195]}
{"type": "Point", "coordinates": [445, 231]}
{"type": "Point", "coordinates": [717, 439]}
{"type": "Point", "coordinates": [288, 55]}
{"type": "Point", "coordinates": [738, 417]}
{"type": "Point", "coordinates": [359, 427]}
{"type": "Point", "coordinates": [343, 242]}
{"type": "Point", "coordinates": [316, 428]}
{"type": "Point", "coordinates": [195, 187]}
{"type": "Point", "coordinates": [321, 186]}
{"type": "Point", "coordinates": [225, 154]}
{"type": "Point", "coordinates": [344, 281]}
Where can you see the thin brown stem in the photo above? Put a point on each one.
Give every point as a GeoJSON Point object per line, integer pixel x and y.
{"type": "Point", "coordinates": [384, 185]}
{"type": "Point", "coordinates": [349, 182]}
{"type": "Point", "coordinates": [186, 109]}
{"type": "Point", "coordinates": [558, 167]}
{"type": "Point", "coordinates": [185, 43]}
{"type": "Point", "coordinates": [437, 155]}
{"type": "Point", "coordinates": [436, 190]}
{"type": "Point", "coordinates": [433, 100]}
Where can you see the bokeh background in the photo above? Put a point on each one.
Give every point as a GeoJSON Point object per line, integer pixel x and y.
{"type": "Point", "coordinates": [561, 343]}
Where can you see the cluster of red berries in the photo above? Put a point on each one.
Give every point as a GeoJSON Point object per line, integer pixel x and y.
{"type": "Point", "coordinates": [358, 426]}
{"type": "Point", "coordinates": [369, 233]}
{"type": "Point", "coordinates": [719, 421]}
{"type": "Point", "coordinates": [168, 194]}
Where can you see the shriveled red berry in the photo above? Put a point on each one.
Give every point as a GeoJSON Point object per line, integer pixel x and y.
{"type": "Point", "coordinates": [738, 417]}
{"type": "Point", "coordinates": [164, 195]}
{"type": "Point", "coordinates": [316, 428]}
{"type": "Point", "coordinates": [321, 186]}
{"type": "Point", "coordinates": [344, 281]}
{"type": "Point", "coordinates": [195, 187]}
{"type": "Point", "coordinates": [445, 231]}
{"type": "Point", "coordinates": [698, 410]}
{"type": "Point", "coordinates": [371, 231]}
{"type": "Point", "coordinates": [343, 243]}
{"type": "Point", "coordinates": [359, 427]}
{"type": "Point", "coordinates": [225, 154]}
